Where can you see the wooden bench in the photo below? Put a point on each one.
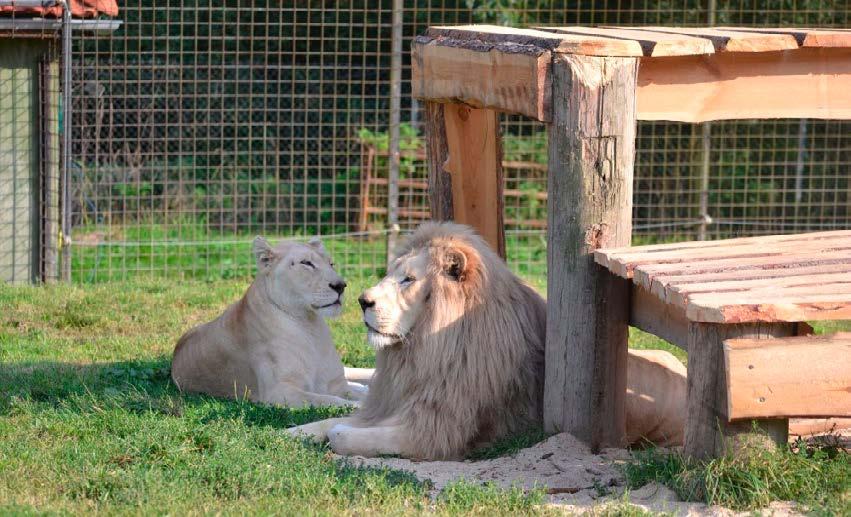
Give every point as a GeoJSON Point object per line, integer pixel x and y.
{"type": "Point", "coordinates": [590, 85]}
{"type": "Point", "coordinates": [701, 296]}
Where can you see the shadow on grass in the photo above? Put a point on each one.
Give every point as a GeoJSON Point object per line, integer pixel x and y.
{"type": "Point", "coordinates": [140, 386]}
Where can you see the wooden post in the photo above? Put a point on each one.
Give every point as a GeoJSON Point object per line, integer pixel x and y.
{"type": "Point", "coordinates": [707, 432]}
{"type": "Point", "coordinates": [591, 153]}
{"type": "Point", "coordinates": [465, 169]}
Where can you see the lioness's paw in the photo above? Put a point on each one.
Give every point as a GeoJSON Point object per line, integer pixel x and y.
{"type": "Point", "coordinates": [312, 431]}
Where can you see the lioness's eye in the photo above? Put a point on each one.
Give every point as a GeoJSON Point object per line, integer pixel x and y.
{"type": "Point", "coordinates": [308, 263]}
{"type": "Point", "coordinates": [408, 279]}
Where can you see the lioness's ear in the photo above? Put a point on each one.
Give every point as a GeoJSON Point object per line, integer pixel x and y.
{"type": "Point", "coordinates": [316, 243]}
{"type": "Point", "coordinates": [455, 264]}
{"type": "Point", "coordinates": [262, 252]}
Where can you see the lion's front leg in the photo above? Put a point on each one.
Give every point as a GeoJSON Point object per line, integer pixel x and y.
{"type": "Point", "coordinates": [391, 440]}
{"type": "Point", "coordinates": [318, 431]}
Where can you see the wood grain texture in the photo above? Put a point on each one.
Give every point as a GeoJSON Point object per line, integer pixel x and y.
{"type": "Point", "coordinates": [515, 82]}
{"type": "Point", "coordinates": [790, 377]}
{"type": "Point", "coordinates": [802, 83]}
{"type": "Point", "coordinates": [732, 40]}
{"type": "Point", "coordinates": [805, 37]}
{"type": "Point", "coordinates": [437, 151]}
{"type": "Point", "coordinates": [475, 166]}
{"type": "Point", "coordinates": [562, 43]}
{"type": "Point", "coordinates": [591, 154]}
{"type": "Point", "coordinates": [651, 314]}
{"type": "Point", "coordinates": [652, 43]}
{"type": "Point", "coordinates": [708, 433]}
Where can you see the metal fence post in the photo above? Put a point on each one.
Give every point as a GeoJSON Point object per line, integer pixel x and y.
{"type": "Point", "coordinates": [65, 237]}
{"type": "Point", "coordinates": [395, 120]}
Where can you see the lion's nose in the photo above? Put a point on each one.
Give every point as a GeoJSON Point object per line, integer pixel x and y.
{"type": "Point", "coordinates": [365, 303]}
{"type": "Point", "coordinates": [338, 286]}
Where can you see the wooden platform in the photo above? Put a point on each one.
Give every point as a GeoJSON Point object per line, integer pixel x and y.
{"type": "Point", "coordinates": [760, 279]}
{"type": "Point", "coordinates": [685, 74]}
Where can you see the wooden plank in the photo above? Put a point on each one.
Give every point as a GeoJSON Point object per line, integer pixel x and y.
{"type": "Point", "coordinates": [811, 307]}
{"type": "Point", "coordinates": [626, 263]}
{"type": "Point", "coordinates": [805, 37]}
{"type": "Point", "coordinates": [516, 82]}
{"type": "Point", "coordinates": [475, 166]}
{"type": "Point", "coordinates": [591, 154]}
{"type": "Point", "coordinates": [644, 275]}
{"type": "Point", "coordinates": [708, 432]}
{"type": "Point", "coordinates": [562, 43]}
{"type": "Point", "coordinates": [790, 377]}
{"type": "Point", "coordinates": [678, 294]}
{"type": "Point", "coordinates": [662, 283]}
{"type": "Point", "coordinates": [604, 255]}
{"type": "Point", "coordinates": [731, 40]}
{"type": "Point", "coordinates": [804, 83]}
{"type": "Point", "coordinates": [652, 43]}
{"type": "Point", "coordinates": [817, 426]}
{"type": "Point", "coordinates": [651, 314]}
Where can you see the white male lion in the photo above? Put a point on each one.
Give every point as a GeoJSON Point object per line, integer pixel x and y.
{"type": "Point", "coordinates": [460, 343]}
{"type": "Point", "coordinates": [459, 360]}
{"type": "Point", "coordinates": [273, 345]}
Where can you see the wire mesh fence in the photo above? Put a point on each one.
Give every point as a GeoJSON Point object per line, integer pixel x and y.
{"type": "Point", "coordinates": [30, 57]}
{"type": "Point", "coordinates": [197, 125]}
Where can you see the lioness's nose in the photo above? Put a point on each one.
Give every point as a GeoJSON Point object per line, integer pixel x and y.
{"type": "Point", "coordinates": [338, 286]}
{"type": "Point", "coordinates": [365, 303]}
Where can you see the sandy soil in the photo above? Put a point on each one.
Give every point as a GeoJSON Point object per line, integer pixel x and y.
{"type": "Point", "coordinates": [574, 478]}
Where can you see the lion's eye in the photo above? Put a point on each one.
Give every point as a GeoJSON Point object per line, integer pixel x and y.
{"type": "Point", "coordinates": [407, 280]}
{"type": "Point", "coordinates": [308, 264]}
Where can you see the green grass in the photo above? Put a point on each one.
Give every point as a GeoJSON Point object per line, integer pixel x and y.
{"type": "Point", "coordinates": [818, 477]}
{"type": "Point", "coordinates": [89, 421]}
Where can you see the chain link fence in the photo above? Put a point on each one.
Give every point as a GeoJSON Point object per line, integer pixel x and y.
{"type": "Point", "coordinates": [198, 125]}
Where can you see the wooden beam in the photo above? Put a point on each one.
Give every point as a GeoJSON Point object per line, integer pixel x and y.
{"type": "Point", "coordinates": [517, 82]}
{"type": "Point", "coordinates": [474, 164]}
{"type": "Point", "coordinates": [790, 377]}
{"type": "Point", "coordinates": [708, 432]}
{"type": "Point", "coordinates": [802, 83]}
{"type": "Point", "coordinates": [437, 151]}
{"type": "Point", "coordinates": [649, 313]}
{"type": "Point", "coordinates": [652, 43]}
{"type": "Point", "coordinates": [591, 154]}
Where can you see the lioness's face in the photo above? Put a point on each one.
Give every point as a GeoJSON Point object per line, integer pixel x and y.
{"type": "Point", "coordinates": [392, 307]}
{"type": "Point", "coordinates": [299, 275]}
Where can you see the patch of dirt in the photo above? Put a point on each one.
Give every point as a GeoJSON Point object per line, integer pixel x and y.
{"type": "Point", "coordinates": [575, 479]}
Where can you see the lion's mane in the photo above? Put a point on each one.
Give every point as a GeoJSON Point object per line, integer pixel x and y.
{"type": "Point", "coordinates": [471, 370]}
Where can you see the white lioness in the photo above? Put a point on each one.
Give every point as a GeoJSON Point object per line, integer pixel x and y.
{"type": "Point", "coordinates": [460, 343]}
{"type": "Point", "coordinates": [273, 345]}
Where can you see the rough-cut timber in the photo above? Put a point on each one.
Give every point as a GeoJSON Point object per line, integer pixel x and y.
{"type": "Point", "coordinates": [708, 433]}
{"type": "Point", "coordinates": [654, 44]}
{"type": "Point", "coordinates": [774, 278]}
{"type": "Point", "coordinates": [733, 41]}
{"type": "Point", "coordinates": [514, 79]}
{"type": "Point", "coordinates": [805, 37]}
{"type": "Point", "coordinates": [437, 150]}
{"type": "Point", "coordinates": [806, 376]}
{"type": "Point", "coordinates": [475, 167]}
{"type": "Point", "coordinates": [591, 152]}
{"type": "Point", "coordinates": [562, 43]}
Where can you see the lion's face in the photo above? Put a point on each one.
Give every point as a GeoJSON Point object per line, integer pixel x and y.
{"type": "Point", "coordinates": [394, 307]}
{"type": "Point", "coordinates": [299, 276]}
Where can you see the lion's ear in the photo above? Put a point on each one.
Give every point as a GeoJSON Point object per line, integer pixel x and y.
{"type": "Point", "coordinates": [316, 243]}
{"type": "Point", "coordinates": [455, 264]}
{"type": "Point", "coordinates": [262, 252]}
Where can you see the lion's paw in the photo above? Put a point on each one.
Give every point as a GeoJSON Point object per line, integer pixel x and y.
{"type": "Point", "coordinates": [340, 438]}
{"type": "Point", "coordinates": [311, 431]}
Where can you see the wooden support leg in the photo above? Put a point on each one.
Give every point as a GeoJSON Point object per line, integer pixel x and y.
{"type": "Point", "coordinates": [591, 153]}
{"type": "Point", "coordinates": [707, 432]}
{"type": "Point", "coordinates": [465, 169]}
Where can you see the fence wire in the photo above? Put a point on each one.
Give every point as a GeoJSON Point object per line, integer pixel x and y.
{"type": "Point", "coordinates": [200, 124]}
{"type": "Point", "coordinates": [29, 147]}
